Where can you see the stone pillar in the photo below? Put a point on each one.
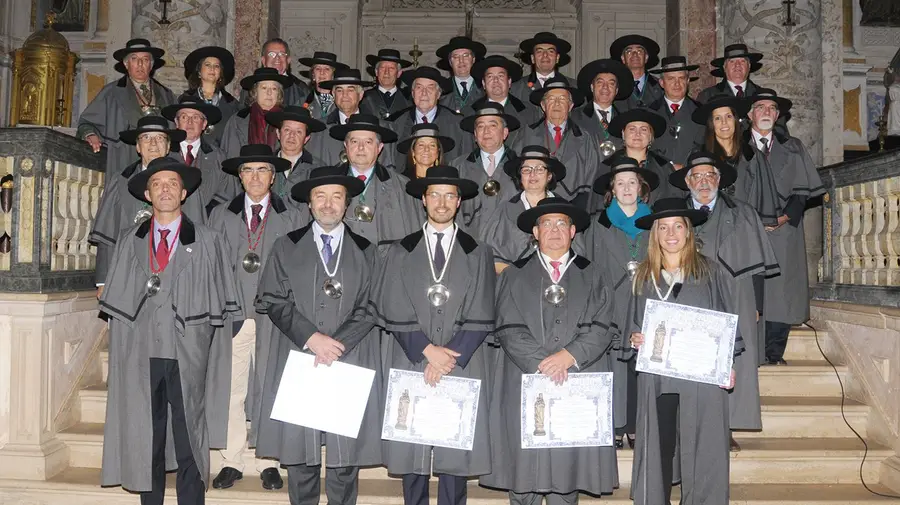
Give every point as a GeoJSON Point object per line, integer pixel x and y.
{"type": "Point", "coordinates": [193, 24]}
{"type": "Point", "coordinates": [691, 32]}
{"type": "Point", "coordinates": [255, 21]}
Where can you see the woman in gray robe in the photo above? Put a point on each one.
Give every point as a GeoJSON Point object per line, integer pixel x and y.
{"type": "Point", "coordinates": [682, 426]}
{"type": "Point", "coordinates": [248, 125]}
{"type": "Point", "coordinates": [532, 331]}
{"type": "Point", "coordinates": [209, 70]}
{"type": "Point", "coordinates": [616, 245]}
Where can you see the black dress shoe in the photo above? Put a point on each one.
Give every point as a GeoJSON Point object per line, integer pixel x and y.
{"type": "Point", "coordinates": [620, 444]}
{"type": "Point", "coordinates": [227, 477]}
{"type": "Point", "coordinates": [734, 446]}
{"type": "Point", "coordinates": [271, 479]}
{"type": "Point", "coordinates": [771, 361]}
{"type": "Point", "coordinates": [781, 361]}
{"type": "Point", "coordinates": [630, 441]}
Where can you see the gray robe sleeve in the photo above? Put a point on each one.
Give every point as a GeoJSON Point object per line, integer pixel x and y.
{"type": "Point", "coordinates": [106, 229]}
{"type": "Point", "coordinates": [276, 299]}
{"type": "Point", "coordinates": [92, 120]}
{"type": "Point", "coordinates": [513, 334]}
{"type": "Point", "coordinates": [468, 339]}
{"type": "Point", "coordinates": [390, 304]}
{"type": "Point", "coordinates": [352, 331]}
{"type": "Point", "coordinates": [595, 335]}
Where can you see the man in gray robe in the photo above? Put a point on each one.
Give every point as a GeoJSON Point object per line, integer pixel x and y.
{"type": "Point", "coordinates": [322, 67]}
{"type": "Point", "coordinates": [733, 235]}
{"type": "Point", "coordinates": [565, 139]}
{"type": "Point", "coordinates": [491, 127]}
{"type": "Point", "coordinates": [333, 269]}
{"type": "Point", "coordinates": [119, 209]}
{"type": "Point", "coordinates": [682, 135]}
{"type": "Point", "coordinates": [605, 81]}
{"type": "Point", "coordinates": [545, 52]}
{"type": "Point", "coordinates": [387, 97]}
{"type": "Point", "coordinates": [192, 115]}
{"type": "Point", "coordinates": [250, 224]}
{"type": "Point", "coordinates": [639, 54]}
{"type": "Point", "coordinates": [296, 127]}
{"type": "Point", "coordinates": [553, 339]}
{"type": "Point", "coordinates": [170, 291]}
{"type": "Point", "coordinates": [787, 296]}
{"type": "Point", "coordinates": [436, 336]}
{"type": "Point", "coordinates": [383, 213]}
{"type": "Point", "coordinates": [276, 53]}
{"type": "Point", "coordinates": [497, 75]}
{"type": "Point", "coordinates": [119, 105]}
{"type": "Point", "coordinates": [457, 57]}
{"type": "Point", "coordinates": [426, 85]}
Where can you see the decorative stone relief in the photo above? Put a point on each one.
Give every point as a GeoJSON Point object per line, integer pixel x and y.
{"type": "Point", "coordinates": [880, 36]}
{"type": "Point", "coordinates": [479, 4]}
{"type": "Point", "coordinates": [26, 182]}
{"type": "Point", "coordinates": [76, 202]}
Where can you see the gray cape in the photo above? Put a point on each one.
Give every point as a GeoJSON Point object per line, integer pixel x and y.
{"type": "Point", "coordinates": [235, 133]}
{"type": "Point", "coordinates": [373, 103]}
{"type": "Point", "coordinates": [530, 329]}
{"type": "Point", "coordinates": [117, 210]}
{"type": "Point", "coordinates": [115, 109]}
{"type": "Point", "coordinates": [296, 268]}
{"type": "Point", "coordinates": [400, 305]}
{"type": "Point", "coordinates": [787, 296]}
{"type": "Point", "coordinates": [230, 220]}
{"type": "Point", "coordinates": [734, 236]}
{"type": "Point", "coordinates": [702, 457]}
{"type": "Point", "coordinates": [446, 119]}
{"type": "Point", "coordinates": [586, 117]}
{"type": "Point", "coordinates": [650, 93]}
{"type": "Point", "coordinates": [329, 149]}
{"type": "Point", "coordinates": [756, 184]}
{"type": "Point", "coordinates": [217, 187]}
{"type": "Point", "coordinates": [476, 211]}
{"type": "Point", "coordinates": [578, 152]}
{"type": "Point", "coordinates": [690, 135]}
{"type": "Point", "coordinates": [455, 102]}
{"type": "Point", "coordinates": [198, 296]}
{"type": "Point", "coordinates": [299, 172]}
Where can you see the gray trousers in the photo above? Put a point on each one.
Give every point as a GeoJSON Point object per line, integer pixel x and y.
{"type": "Point", "coordinates": [537, 498]}
{"type": "Point", "coordinates": [304, 485]}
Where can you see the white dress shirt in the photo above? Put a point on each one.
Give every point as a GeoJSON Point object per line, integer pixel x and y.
{"type": "Point", "coordinates": [248, 211]}
{"type": "Point", "coordinates": [336, 235]}
{"type": "Point", "coordinates": [642, 80]}
{"type": "Point", "coordinates": [551, 128]}
{"type": "Point", "coordinates": [485, 162]}
{"type": "Point", "coordinates": [543, 78]}
{"type": "Point", "coordinates": [470, 83]}
{"type": "Point", "coordinates": [384, 90]}
{"type": "Point", "coordinates": [195, 148]}
{"type": "Point", "coordinates": [669, 103]}
{"type": "Point", "coordinates": [563, 264]}
{"type": "Point", "coordinates": [368, 173]}
{"type": "Point", "coordinates": [503, 102]}
{"type": "Point", "coordinates": [430, 115]}
{"type": "Point", "coordinates": [431, 235]}
{"type": "Point", "coordinates": [711, 205]}
{"type": "Point", "coordinates": [343, 117]}
{"type": "Point", "coordinates": [528, 205]}
{"type": "Point", "coordinates": [171, 239]}
{"type": "Point", "coordinates": [734, 86]}
{"type": "Point", "coordinates": [757, 136]}
{"type": "Point", "coordinates": [292, 159]}
{"type": "Point", "coordinates": [609, 112]}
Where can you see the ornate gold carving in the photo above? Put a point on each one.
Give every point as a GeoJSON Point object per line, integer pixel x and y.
{"type": "Point", "coordinates": [852, 122]}
{"type": "Point", "coordinates": [43, 81]}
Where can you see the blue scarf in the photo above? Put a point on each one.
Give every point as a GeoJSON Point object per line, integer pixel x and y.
{"type": "Point", "coordinates": [618, 218]}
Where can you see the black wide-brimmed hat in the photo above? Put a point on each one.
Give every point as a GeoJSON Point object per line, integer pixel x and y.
{"type": "Point", "coordinates": [226, 60]}
{"type": "Point", "coordinates": [212, 113]}
{"type": "Point", "coordinates": [624, 164]}
{"type": "Point", "coordinates": [427, 73]}
{"type": "Point", "coordinates": [619, 122]}
{"type": "Point", "coordinates": [737, 105]}
{"type": "Point", "coordinates": [322, 176]}
{"type": "Point", "coordinates": [139, 46]}
{"type": "Point", "coordinates": [147, 124]}
{"type": "Point", "coordinates": [295, 113]}
{"type": "Point", "coordinates": [442, 174]}
{"type": "Point", "coordinates": [513, 165]}
{"type": "Point", "coordinates": [618, 47]}
{"type": "Point", "coordinates": [322, 58]}
{"type": "Point", "coordinates": [736, 51]}
{"type": "Point", "coordinates": [671, 207]}
{"type": "Point", "coordinates": [675, 64]}
{"type": "Point", "coordinates": [190, 176]}
{"type": "Point", "coordinates": [255, 153]}
{"type": "Point", "coordinates": [727, 174]}
{"type": "Point", "coordinates": [761, 94]}
{"type": "Point", "coordinates": [266, 74]}
{"type": "Point", "coordinates": [553, 205]}
{"type": "Point", "coordinates": [488, 108]}
{"type": "Point", "coordinates": [345, 76]}
{"type": "Point", "coordinates": [624, 78]}
{"type": "Point", "coordinates": [556, 82]}
{"type": "Point", "coordinates": [562, 46]}
{"type": "Point", "coordinates": [513, 69]}
{"type": "Point", "coordinates": [392, 55]}
{"type": "Point", "coordinates": [362, 122]}
{"type": "Point", "coordinates": [425, 130]}
{"type": "Point", "coordinates": [461, 42]}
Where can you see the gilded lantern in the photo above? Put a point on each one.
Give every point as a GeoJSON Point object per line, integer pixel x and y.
{"type": "Point", "coordinates": [43, 81]}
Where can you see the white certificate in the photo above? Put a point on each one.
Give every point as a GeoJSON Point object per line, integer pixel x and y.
{"type": "Point", "coordinates": [577, 413]}
{"type": "Point", "coordinates": [441, 416]}
{"type": "Point", "coordinates": [687, 343]}
{"type": "Point", "coordinates": [306, 395]}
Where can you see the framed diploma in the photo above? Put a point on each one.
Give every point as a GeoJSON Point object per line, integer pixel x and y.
{"type": "Point", "coordinates": [441, 416]}
{"type": "Point", "coordinates": [577, 413]}
{"type": "Point", "coordinates": [687, 343]}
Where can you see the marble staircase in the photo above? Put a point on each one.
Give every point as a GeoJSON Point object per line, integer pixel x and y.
{"type": "Point", "coordinates": [805, 454]}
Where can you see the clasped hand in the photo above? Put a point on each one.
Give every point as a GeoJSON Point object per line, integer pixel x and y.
{"type": "Point", "coordinates": [441, 361]}
{"type": "Point", "coordinates": [556, 366]}
{"type": "Point", "coordinates": [326, 349]}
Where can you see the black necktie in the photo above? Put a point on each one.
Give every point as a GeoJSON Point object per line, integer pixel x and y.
{"type": "Point", "coordinates": [637, 88]}
{"type": "Point", "coordinates": [388, 98]}
{"type": "Point", "coordinates": [439, 258]}
{"type": "Point", "coordinates": [706, 209]}
{"type": "Point", "coordinates": [464, 94]}
{"type": "Point", "coordinates": [765, 142]}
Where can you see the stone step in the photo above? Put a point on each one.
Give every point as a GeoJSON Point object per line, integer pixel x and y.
{"type": "Point", "coordinates": [775, 460]}
{"type": "Point", "coordinates": [809, 417]}
{"type": "Point", "coordinates": [802, 345]}
{"type": "Point", "coordinates": [80, 486]}
{"type": "Point", "coordinates": [801, 378]}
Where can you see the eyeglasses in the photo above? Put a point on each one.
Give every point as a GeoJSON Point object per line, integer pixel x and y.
{"type": "Point", "coordinates": [556, 99]}
{"type": "Point", "coordinates": [255, 170]}
{"type": "Point", "coordinates": [277, 54]}
{"type": "Point", "coordinates": [635, 50]}
{"type": "Point", "coordinates": [449, 197]}
{"type": "Point", "coordinates": [710, 176]}
{"type": "Point", "coordinates": [462, 56]}
{"type": "Point", "coordinates": [549, 224]}
{"type": "Point", "coordinates": [533, 169]}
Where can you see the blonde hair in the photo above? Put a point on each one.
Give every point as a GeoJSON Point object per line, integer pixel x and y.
{"type": "Point", "coordinates": [693, 264]}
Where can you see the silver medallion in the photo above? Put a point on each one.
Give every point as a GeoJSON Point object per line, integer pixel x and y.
{"type": "Point", "coordinates": [491, 187]}
{"type": "Point", "coordinates": [343, 156]}
{"type": "Point", "coordinates": [555, 294]}
{"type": "Point", "coordinates": [631, 266]}
{"type": "Point", "coordinates": [364, 213]}
{"type": "Point", "coordinates": [607, 148]}
{"type": "Point", "coordinates": [152, 285]}
{"type": "Point", "coordinates": [251, 262]}
{"type": "Point", "coordinates": [150, 110]}
{"type": "Point", "coordinates": [142, 215]}
{"type": "Point", "coordinates": [438, 294]}
{"type": "Point", "coordinates": [210, 129]}
{"type": "Point", "coordinates": [675, 130]}
{"type": "Point", "coordinates": [333, 288]}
